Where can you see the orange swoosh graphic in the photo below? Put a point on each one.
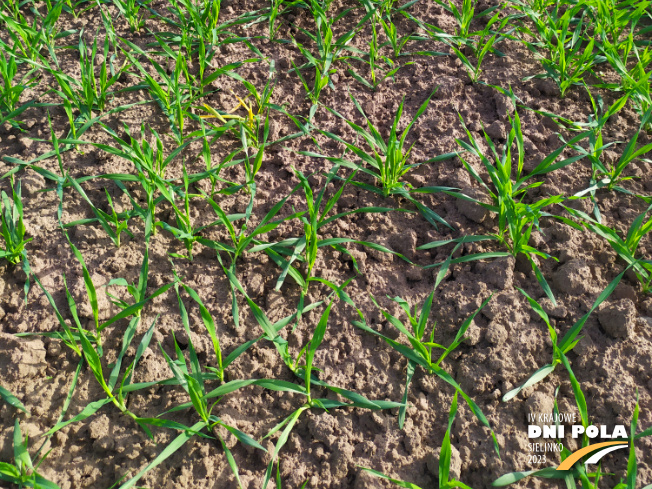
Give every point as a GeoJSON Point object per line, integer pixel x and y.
{"type": "Point", "coordinates": [570, 461]}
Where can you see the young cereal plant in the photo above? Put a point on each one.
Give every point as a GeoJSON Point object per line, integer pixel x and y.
{"type": "Point", "coordinates": [595, 143]}
{"type": "Point", "coordinates": [306, 373]}
{"type": "Point", "coordinates": [480, 43]}
{"type": "Point", "coordinates": [275, 11]}
{"type": "Point", "coordinates": [381, 66]}
{"type": "Point", "coordinates": [130, 10]}
{"type": "Point", "coordinates": [610, 176]}
{"type": "Point", "coordinates": [13, 231]}
{"type": "Point", "coordinates": [560, 346]}
{"type": "Point", "coordinates": [12, 87]}
{"type": "Point", "coordinates": [24, 471]}
{"type": "Point", "coordinates": [114, 224]}
{"type": "Point", "coordinates": [305, 248]}
{"type": "Point", "coordinates": [632, 65]}
{"type": "Point", "coordinates": [389, 162]}
{"type": "Point", "coordinates": [242, 239]}
{"type": "Point", "coordinates": [175, 93]}
{"type": "Point", "coordinates": [508, 187]}
{"type": "Point", "coordinates": [150, 164]}
{"type": "Point", "coordinates": [12, 226]}
{"type": "Point", "coordinates": [614, 20]}
{"type": "Point", "coordinates": [421, 345]}
{"type": "Point", "coordinates": [445, 480]}
{"type": "Point", "coordinates": [87, 344]}
{"type": "Point", "coordinates": [252, 131]}
{"type": "Point", "coordinates": [627, 247]}
{"type": "Point", "coordinates": [12, 400]}
{"type": "Point", "coordinates": [209, 323]}
{"type": "Point", "coordinates": [193, 381]}
{"type": "Point", "coordinates": [89, 94]}
{"type": "Point", "coordinates": [30, 40]}
{"type": "Point", "coordinates": [463, 17]}
{"type": "Point", "coordinates": [329, 49]}
{"type": "Point", "coordinates": [562, 38]}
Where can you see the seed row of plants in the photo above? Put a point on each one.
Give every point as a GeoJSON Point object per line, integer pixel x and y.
{"type": "Point", "coordinates": [576, 43]}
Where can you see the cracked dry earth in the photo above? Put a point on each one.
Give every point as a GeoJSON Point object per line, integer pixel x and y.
{"type": "Point", "coordinates": [506, 342]}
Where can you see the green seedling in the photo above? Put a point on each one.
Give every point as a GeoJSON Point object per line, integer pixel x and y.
{"type": "Point", "coordinates": [632, 65]}
{"type": "Point", "coordinates": [130, 10]}
{"type": "Point", "coordinates": [174, 94]}
{"type": "Point", "coordinates": [304, 249]}
{"type": "Point", "coordinates": [13, 87]}
{"type": "Point", "coordinates": [12, 400]}
{"type": "Point", "coordinates": [242, 239]}
{"type": "Point", "coordinates": [274, 12]}
{"type": "Point", "coordinates": [89, 94]}
{"type": "Point", "coordinates": [626, 248]}
{"type": "Point", "coordinates": [262, 98]}
{"type": "Point", "coordinates": [306, 372]}
{"type": "Point", "coordinates": [567, 59]}
{"type": "Point", "coordinates": [329, 50]}
{"type": "Point", "coordinates": [614, 20]}
{"type": "Point", "coordinates": [196, 28]}
{"type": "Point", "coordinates": [13, 7]}
{"type": "Point", "coordinates": [209, 323]}
{"type": "Point", "coordinates": [463, 17]}
{"type": "Point", "coordinates": [252, 131]}
{"type": "Point", "coordinates": [13, 228]}
{"type": "Point", "coordinates": [596, 144]}
{"type": "Point", "coordinates": [113, 224]}
{"type": "Point", "coordinates": [507, 188]}
{"type": "Point", "coordinates": [419, 353]}
{"type": "Point", "coordinates": [610, 176]}
{"type": "Point", "coordinates": [30, 40]}
{"type": "Point", "coordinates": [560, 346]}
{"type": "Point", "coordinates": [87, 344]}
{"type": "Point", "coordinates": [150, 164]}
{"type": "Point", "coordinates": [213, 170]}
{"type": "Point", "coordinates": [192, 380]}
{"type": "Point", "coordinates": [389, 161]}
{"type": "Point", "coordinates": [480, 45]}
{"type": "Point", "coordinates": [24, 471]}
{"type": "Point", "coordinates": [381, 67]}
{"type": "Point", "coordinates": [198, 20]}
{"type": "Point", "coordinates": [184, 229]}
{"type": "Point", "coordinates": [445, 481]}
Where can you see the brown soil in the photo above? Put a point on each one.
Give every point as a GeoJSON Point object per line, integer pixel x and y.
{"type": "Point", "coordinates": [506, 342]}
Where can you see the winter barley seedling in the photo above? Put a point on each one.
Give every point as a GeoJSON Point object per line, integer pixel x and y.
{"type": "Point", "coordinates": [13, 87]}
{"type": "Point", "coordinates": [419, 353]}
{"type": "Point", "coordinates": [560, 346]}
{"type": "Point", "coordinates": [130, 11]}
{"type": "Point", "coordinates": [306, 373]}
{"type": "Point", "coordinates": [305, 248]}
{"type": "Point", "coordinates": [480, 44]}
{"type": "Point", "coordinates": [193, 381]}
{"type": "Point", "coordinates": [23, 472]}
{"type": "Point", "coordinates": [445, 460]}
{"type": "Point", "coordinates": [561, 37]}
{"type": "Point", "coordinates": [610, 175]}
{"type": "Point", "coordinates": [13, 231]}
{"type": "Point", "coordinates": [329, 49]}
{"type": "Point", "coordinates": [242, 239]}
{"type": "Point", "coordinates": [389, 161]}
{"type": "Point", "coordinates": [626, 247]}
{"type": "Point", "coordinates": [509, 186]}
